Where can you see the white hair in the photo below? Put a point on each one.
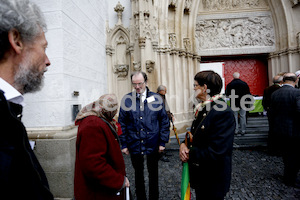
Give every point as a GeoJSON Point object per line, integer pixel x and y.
{"type": "Point", "coordinates": [236, 75]}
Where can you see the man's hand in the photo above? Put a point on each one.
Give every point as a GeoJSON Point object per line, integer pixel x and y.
{"type": "Point", "coordinates": [125, 151]}
{"type": "Point", "coordinates": [184, 153]}
{"type": "Point", "coordinates": [161, 149]}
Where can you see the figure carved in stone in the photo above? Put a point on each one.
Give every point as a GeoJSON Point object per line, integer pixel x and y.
{"type": "Point", "coordinates": [234, 33]}
{"type": "Point", "coordinates": [119, 9]}
{"type": "Point", "coordinates": [172, 3]}
{"type": "Point", "coordinates": [172, 40]}
{"type": "Point", "coordinates": [187, 44]}
{"type": "Point", "coordinates": [150, 65]}
{"type": "Point", "coordinates": [295, 2]}
{"type": "Point", "coordinates": [187, 6]}
{"type": "Point", "coordinates": [121, 70]}
{"type": "Point", "coordinates": [137, 66]}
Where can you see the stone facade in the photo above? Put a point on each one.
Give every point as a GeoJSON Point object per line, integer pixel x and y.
{"type": "Point", "coordinates": [95, 45]}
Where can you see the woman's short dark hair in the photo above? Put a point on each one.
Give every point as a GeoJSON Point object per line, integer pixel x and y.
{"type": "Point", "coordinates": [211, 79]}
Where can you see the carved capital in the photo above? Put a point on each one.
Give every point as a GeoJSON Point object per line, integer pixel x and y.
{"type": "Point", "coordinates": [109, 50]}
{"type": "Point", "coordinates": [150, 65]}
{"type": "Point", "coordinates": [142, 42]}
{"type": "Point", "coordinates": [121, 70]}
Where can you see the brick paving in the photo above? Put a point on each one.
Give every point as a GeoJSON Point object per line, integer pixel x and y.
{"type": "Point", "coordinates": [256, 175]}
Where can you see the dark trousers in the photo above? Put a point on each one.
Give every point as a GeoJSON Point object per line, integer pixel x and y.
{"type": "Point", "coordinates": [291, 160]}
{"type": "Point", "coordinates": [200, 195]}
{"type": "Point", "coordinates": [152, 166]}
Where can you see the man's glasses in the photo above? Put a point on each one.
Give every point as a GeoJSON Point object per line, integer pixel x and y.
{"type": "Point", "coordinates": [137, 84]}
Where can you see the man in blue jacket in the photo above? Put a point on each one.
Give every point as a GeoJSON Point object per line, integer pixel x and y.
{"type": "Point", "coordinates": [145, 127]}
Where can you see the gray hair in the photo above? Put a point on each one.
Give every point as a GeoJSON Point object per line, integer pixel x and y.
{"type": "Point", "coordinates": [22, 15]}
{"type": "Point", "coordinates": [161, 87]}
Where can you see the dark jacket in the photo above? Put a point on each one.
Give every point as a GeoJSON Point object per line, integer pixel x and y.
{"type": "Point", "coordinates": [211, 153]}
{"type": "Point", "coordinates": [240, 87]}
{"type": "Point", "coordinates": [266, 101]}
{"type": "Point", "coordinates": [21, 175]}
{"type": "Point", "coordinates": [144, 129]}
{"type": "Point", "coordinates": [99, 165]}
{"type": "Point", "coordinates": [285, 112]}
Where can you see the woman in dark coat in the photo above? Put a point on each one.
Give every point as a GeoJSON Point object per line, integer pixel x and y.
{"type": "Point", "coordinates": [209, 156]}
{"type": "Point", "coordinates": [99, 165]}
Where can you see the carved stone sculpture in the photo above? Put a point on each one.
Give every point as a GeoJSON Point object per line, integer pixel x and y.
{"type": "Point", "coordinates": [150, 65]}
{"type": "Point", "coordinates": [121, 70]}
{"type": "Point", "coordinates": [137, 66]}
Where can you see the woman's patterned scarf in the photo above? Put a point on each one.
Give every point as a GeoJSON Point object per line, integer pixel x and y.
{"type": "Point", "coordinates": [201, 105]}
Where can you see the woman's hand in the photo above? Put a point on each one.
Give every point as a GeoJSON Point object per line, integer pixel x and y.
{"type": "Point", "coordinates": [127, 184]}
{"type": "Point", "coordinates": [184, 153]}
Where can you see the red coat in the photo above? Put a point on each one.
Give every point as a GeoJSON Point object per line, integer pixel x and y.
{"type": "Point", "coordinates": [99, 165]}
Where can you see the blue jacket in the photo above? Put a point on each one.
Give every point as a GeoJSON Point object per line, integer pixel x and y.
{"type": "Point", "coordinates": [145, 126]}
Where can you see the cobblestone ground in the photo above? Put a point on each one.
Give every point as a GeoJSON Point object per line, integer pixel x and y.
{"type": "Point", "coordinates": [256, 175]}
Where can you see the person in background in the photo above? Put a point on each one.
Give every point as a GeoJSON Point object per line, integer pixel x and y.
{"type": "Point", "coordinates": [162, 90]}
{"type": "Point", "coordinates": [266, 103]}
{"type": "Point", "coordinates": [99, 165]}
{"type": "Point", "coordinates": [209, 157]}
{"type": "Point", "coordinates": [239, 88]}
{"type": "Point", "coordinates": [284, 119]}
{"type": "Point", "coordinates": [145, 127]}
{"type": "Point", "coordinates": [23, 62]}
{"type": "Point", "coordinates": [298, 77]}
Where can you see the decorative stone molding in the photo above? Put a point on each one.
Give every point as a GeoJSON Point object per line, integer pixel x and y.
{"type": "Point", "coordinates": [119, 9]}
{"type": "Point", "coordinates": [154, 45]}
{"type": "Point", "coordinates": [121, 70]}
{"type": "Point", "coordinates": [220, 5]}
{"type": "Point", "coordinates": [245, 33]}
{"type": "Point", "coordinates": [172, 40]}
{"type": "Point", "coordinates": [137, 66]}
{"type": "Point", "coordinates": [150, 65]}
{"type": "Point", "coordinates": [298, 39]}
{"type": "Point", "coordinates": [284, 52]}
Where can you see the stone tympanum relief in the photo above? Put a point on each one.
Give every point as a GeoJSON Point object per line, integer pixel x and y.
{"type": "Point", "coordinates": [235, 33]}
{"type": "Point", "coordinates": [219, 5]}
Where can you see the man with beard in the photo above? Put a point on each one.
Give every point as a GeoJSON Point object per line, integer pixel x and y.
{"type": "Point", "coordinates": [23, 62]}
